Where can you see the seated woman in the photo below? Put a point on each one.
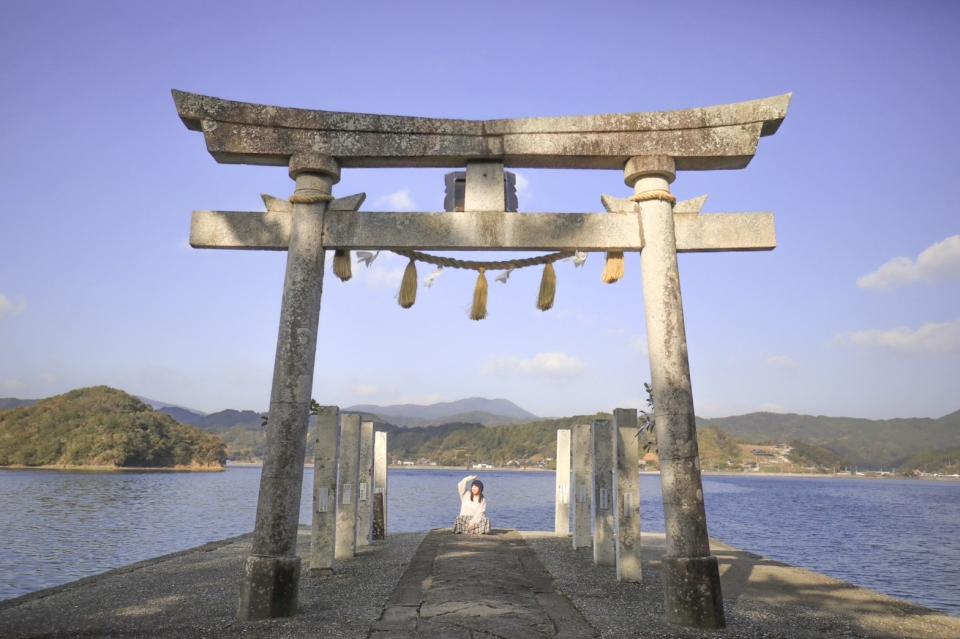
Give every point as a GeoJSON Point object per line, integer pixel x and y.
{"type": "Point", "coordinates": [473, 508]}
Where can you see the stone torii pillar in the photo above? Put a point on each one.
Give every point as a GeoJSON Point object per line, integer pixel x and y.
{"type": "Point", "coordinates": [271, 575]}
{"type": "Point", "coordinates": [690, 573]}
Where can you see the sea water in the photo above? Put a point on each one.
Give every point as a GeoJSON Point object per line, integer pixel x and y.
{"type": "Point", "coordinates": [898, 537]}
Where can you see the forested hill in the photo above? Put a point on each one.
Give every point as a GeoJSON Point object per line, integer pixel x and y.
{"type": "Point", "coordinates": [103, 426]}
{"type": "Point", "coordinates": [865, 442]}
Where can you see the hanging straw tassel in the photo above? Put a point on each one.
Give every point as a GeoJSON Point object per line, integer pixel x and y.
{"type": "Point", "coordinates": [341, 265]}
{"type": "Point", "coordinates": [479, 310]}
{"type": "Point", "coordinates": [408, 285]}
{"type": "Point", "coordinates": [548, 288]}
{"type": "Point", "coordinates": [613, 269]}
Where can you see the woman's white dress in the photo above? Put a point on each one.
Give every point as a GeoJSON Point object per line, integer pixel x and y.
{"type": "Point", "coordinates": [473, 512]}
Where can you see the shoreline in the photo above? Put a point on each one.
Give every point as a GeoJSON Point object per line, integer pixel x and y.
{"type": "Point", "coordinates": [118, 469]}
{"type": "Point", "coordinates": [705, 473]}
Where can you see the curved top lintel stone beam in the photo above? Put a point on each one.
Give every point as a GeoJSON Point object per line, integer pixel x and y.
{"type": "Point", "coordinates": [719, 137]}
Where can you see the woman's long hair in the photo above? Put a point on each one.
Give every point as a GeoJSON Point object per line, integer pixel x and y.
{"type": "Point", "coordinates": [479, 484]}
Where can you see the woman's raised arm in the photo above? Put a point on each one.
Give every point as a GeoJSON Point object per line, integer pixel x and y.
{"type": "Point", "coordinates": [462, 485]}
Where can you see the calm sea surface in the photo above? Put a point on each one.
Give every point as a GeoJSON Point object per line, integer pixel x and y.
{"type": "Point", "coordinates": [898, 537]}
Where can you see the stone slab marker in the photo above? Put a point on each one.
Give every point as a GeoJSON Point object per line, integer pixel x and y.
{"type": "Point", "coordinates": [604, 550]}
{"type": "Point", "coordinates": [365, 486]}
{"type": "Point", "coordinates": [690, 573]}
{"type": "Point", "coordinates": [561, 523]}
{"type": "Point", "coordinates": [380, 458]}
{"type": "Point", "coordinates": [324, 526]}
{"type": "Point", "coordinates": [271, 574]}
{"type": "Point", "coordinates": [581, 453]}
{"type": "Point", "coordinates": [347, 481]}
{"type": "Point", "coordinates": [626, 493]}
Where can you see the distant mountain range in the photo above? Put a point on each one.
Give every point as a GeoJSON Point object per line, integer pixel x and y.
{"type": "Point", "coordinates": [889, 443]}
{"type": "Point", "coordinates": [476, 410]}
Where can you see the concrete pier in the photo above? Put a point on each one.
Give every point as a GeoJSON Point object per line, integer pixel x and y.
{"type": "Point", "coordinates": [324, 523]}
{"type": "Point", "coordinates": [561, 525]}
{"type": "Point", "coordinates": [380, 461]}
{"type": "Point", "coordinates": [349, 476]}
{"type": "Point", "coordinates": [433, 579]}
{"type": "Point", "coordinates": [581, 453]}
{"type": "Point", "coordinates": [271, 575]}
{"type": "Point", "coordinates": [365, 485]}
{"type": "Point", "coordinates": [691, 579]}
{"type": "Point", "coordinates": [604, 546]}
{"type": "Point", "coordinates": [626, 494]}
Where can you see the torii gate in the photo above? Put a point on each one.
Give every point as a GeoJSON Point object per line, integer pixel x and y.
{"type": "Point", "coordinates": [648, 147]}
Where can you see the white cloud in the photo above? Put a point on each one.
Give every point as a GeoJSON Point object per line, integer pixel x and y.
{"type": "Point", "coordinates": [11, 386]}
{"type": "Point", "coordinates": [638, 343]}
{"type": "Point", "coordinates": [397, 201]}
{"type": "Point", "coordinates": [551, 365]}
{"type": "Point", "coordinates": [365, 390]}
{"type": "Point", "coordinates": [782, 361]}
{"type": "Point", "coordinates": [937, 262]}
{"type": "Point", "coordinates": [929, 338]}
{"type": "Point", "coordinates": [9, 309]}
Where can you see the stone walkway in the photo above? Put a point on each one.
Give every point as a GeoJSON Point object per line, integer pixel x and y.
{"type": "Point", "coordinates": [465, 586]}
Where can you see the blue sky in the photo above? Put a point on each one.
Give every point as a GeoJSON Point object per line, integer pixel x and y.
{"type": "Point", "coordinates": [856, 312]}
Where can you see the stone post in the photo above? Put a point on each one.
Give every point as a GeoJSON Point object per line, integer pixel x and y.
{"type": "Point", "coordinates": [691, 574]}
{"type": "Point", "coordinates": [626, 493]}
{"type": "Point", "coordinates": [271, 574]}
{"type": "Point", "coordinates": [561, 524]}
{"type": "Point", "coordinates": [380, 474]}
{"type": "Point", "coordinates": [581, 453]}
{"type": "Point", "coordinates": [604, 548]}
{"type": "Point", "coordinates": [323, 530]}
{"type": "Point", "coordinates": [365, 486]}
{"type": "Point", "coordinates": [347, 481]}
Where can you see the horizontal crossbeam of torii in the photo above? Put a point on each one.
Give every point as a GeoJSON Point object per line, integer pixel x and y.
{"type": "Point", "coordinates": [345, 228]}
{"type": "Point", "coordinates": [720, 137]}
{"type": "Point", "coordinates": [648, 147]}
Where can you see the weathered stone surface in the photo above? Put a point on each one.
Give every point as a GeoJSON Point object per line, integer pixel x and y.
{"type": "Point", "coordinates": [581, 454]}
{"type": "Point", "coordinates": [347, 481]}
{"type": "Point", "coordinates": [479, 586]}
{"type": "Point", "coordinates": [278, 504]}
{"type": "Point", "coordinates": [626, 490]}
{"type": "Point", "coordinates": [269, 587]}
{"type": "Point", "coordinates": [562, 513]}
{"type": "Point", "coordinates": [692, 592]}
{"type": "Point", "coordinates": [719, 137]}
{"type": "Point", "coordinates": [365, 486]}
{"type": "Point", "coordinates": [488, 231]}
{"type": "Point", "coordinates": [684, 513]}
{"type": "Point", "coordinates": [380, 459]}
{"type": "Point", "coordinates": [484, 189]}
{"type": "Point", "coordinates": [379, 529]}
{"type": "Point", "coordinates": [604, 547]}
{"type": "Point", "coordinates": [324, 524]}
